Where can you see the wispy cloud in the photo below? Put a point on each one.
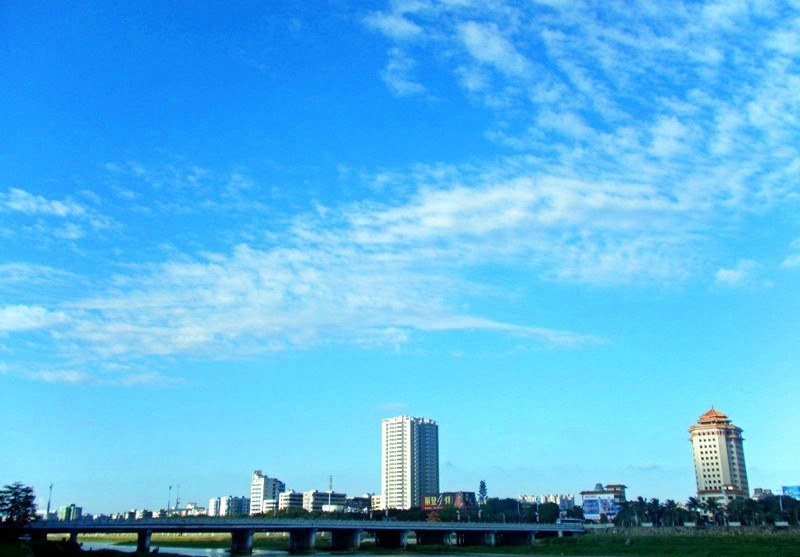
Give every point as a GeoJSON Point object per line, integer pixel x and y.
{"type": "Point", "coordinates": [743, 273]}
{"type": "Point", "coordinates": [394, 26]}
{"type": "Point", "coordinates": [398, 75]}
{"type": "Point", "coordinates": [25, 318]}
{"type": "Point", "coordinates": [486, 44]}
{"type": "Point", "coordinates": [42, 219]}
{"type": "Point", "coordinates": [792, 260]}
{"type": "Point", "coordinates": [24, 202]}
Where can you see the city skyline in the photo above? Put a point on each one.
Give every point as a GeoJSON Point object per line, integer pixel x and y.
{"type": "Point", "coordinates": [239, 236]}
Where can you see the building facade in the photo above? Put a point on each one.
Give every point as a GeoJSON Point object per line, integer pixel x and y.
{"type": "Point", "coordinates": [70, 512]}
{"type": "Point", "coordinates": [719, 466]}
{"type": "Point", "coordinates": [262, 488]}
{"type": "Point", "coordinates": [228, 506]}
{"type": "Point", "coordinates": [290, 500]}
{"type": "Point", "coordinates": [328, 501]}
{"type": "Point", "coordinates": [409, 461]}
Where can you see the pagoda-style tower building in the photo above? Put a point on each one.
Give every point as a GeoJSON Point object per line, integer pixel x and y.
{"type": "Point", "coordinates": [719, 466]}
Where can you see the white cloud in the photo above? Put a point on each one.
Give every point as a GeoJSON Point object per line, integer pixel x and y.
{"type": "Point", "coordinates": [793, 260]}
{"type": "Point", "coordinates": [743, 273]}
{"type": "Point", "coordinates": [398, 75]}
{"type": "Point", "coordinates": [486, 44]}
{"type": "Point", "coordinates": [25, 318]}
{"type": "Point", "coordinates": [60, 376]}
{"type": "Point", "coordinates": [394, 26]}
{"type": "Point", "coordinates": [24, 202]}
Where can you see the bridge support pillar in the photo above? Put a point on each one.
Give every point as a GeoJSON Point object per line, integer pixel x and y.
{"type": "Point", "coordinates": [302, 541]}
{"type": "Point", "coordinates": [391, 539]}
{"type": "Point", "coordinates": [476, 538]}
{"type": "Point", "coordinates": [560, 534]}
{"type": "Point", "coordinates": [241, 542]}
{"type": "Point", "coordinates": [143, 541]}
{"type": "Point", "coordinates": [73, 536]}
{"type": "Point", "coordinates": [428, 537]}
{"type": "Point", "coordinates": [345, 540]}
{"type": "Point", "coordinates": [514, 538]}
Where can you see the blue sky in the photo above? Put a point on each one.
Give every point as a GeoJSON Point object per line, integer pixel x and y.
{"type": "Point", "coordinates": [236, 237]}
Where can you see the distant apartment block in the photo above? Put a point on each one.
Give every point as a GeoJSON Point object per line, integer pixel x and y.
{"type": "Point", "coordinates": [290, 500]}
{"type": "Point", "coordinates": [228, 506]}
{"type": "Point", "coordinates": [564, 501]}
{"type": "Point", "coordinates": [262, 488]}
{"type": "Point", "coordinates": [316, 501]}
{"type": "Point", "coordinates": [719, 466]}
{"type": "Point", "coordinates": [409, 461]}
{"type": "Point", "coordinates": [70, 513]}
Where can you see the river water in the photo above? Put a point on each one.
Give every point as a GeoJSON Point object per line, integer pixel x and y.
{"type": "Point", "coordinates": [175, 550]}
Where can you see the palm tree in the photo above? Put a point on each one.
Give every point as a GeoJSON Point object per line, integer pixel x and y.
{"type": "Point", "coordinates": [693, 504]}
{"type": "Point", "coordinates": [624, 514]}
{"type": "Point", "coordinates": [712, 507]}
{"type": "Point", "coordinates": [653, 508]}
{"type": "Point", "coordinates": [639, 508]}
{"type": "Point", "coordinates": [670, 507]}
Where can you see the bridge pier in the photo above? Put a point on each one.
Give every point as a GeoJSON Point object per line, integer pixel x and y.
{"type": "Point", "coordinates": [241, 542]}
{"type": "Point", "coordinates": [514, 538]}
{"type": "Point", "coordinates": [143, 541]}
{"type": "Point", "coordinates": [302, 541]}
{"type": "Point", "coordinates": [345, 540]}
{"type": "Point", "coordinates": [433, 537]}
{"type": "Point", "coordinates": [391, 539]}
{"type": "Point", "coordinates": [476, 538]}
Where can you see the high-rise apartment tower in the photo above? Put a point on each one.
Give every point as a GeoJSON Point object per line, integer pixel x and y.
{"type": "Point", "coordinates": [409, 461]}
{"type": "Point", "coordinates": [718, 458]}
{"type": "Point", "coordinates": [263, 488]}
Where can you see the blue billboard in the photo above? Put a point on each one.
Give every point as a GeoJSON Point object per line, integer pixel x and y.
{"type": "Point", "coordinates": [792, 491]}
{"type": "Point", "coordinates": [594, 506]}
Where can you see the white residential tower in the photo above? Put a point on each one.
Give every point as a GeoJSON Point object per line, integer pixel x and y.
{"type": "Point", "coordinates": [409, 461]}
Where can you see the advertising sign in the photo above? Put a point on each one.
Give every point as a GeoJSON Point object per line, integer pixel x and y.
{"type": "Point", "coordinates": [596, 505]}
{"type": "Point", "coordinates": [457, 499]}
{"type": "Point", "coordinates": [792, 491]}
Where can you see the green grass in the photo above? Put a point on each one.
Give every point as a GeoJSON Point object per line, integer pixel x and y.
{"type": "Point", "coordinates": [670, 545]}
{"type": "Point", "coordinates": [14, 550]}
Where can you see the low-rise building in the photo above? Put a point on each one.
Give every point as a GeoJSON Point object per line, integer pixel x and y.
{"type": "Point", "coordinates": [314, 501]}
{"type": "Point", "coordinates": [290, 500]}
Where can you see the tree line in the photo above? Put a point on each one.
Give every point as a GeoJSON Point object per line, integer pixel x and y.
{"type": "Point", "coordinates": [749, 512]}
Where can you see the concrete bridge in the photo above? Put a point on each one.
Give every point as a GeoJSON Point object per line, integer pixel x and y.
{"type": "Point", "coordinates": [345, 534]}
